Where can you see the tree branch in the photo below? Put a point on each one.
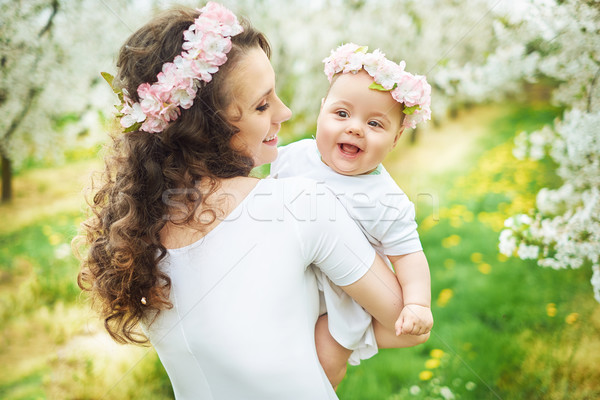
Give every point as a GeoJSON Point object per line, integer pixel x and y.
{"type": "Point", "coordinates": [48, 26]}
{"type": "Point", "coordinates": [589, 99]}
{"type": "Point", "coordinates": [32, 94]}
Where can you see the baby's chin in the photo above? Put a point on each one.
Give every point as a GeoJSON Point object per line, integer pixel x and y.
{"type": "Point", "coordinates": [350, 170]}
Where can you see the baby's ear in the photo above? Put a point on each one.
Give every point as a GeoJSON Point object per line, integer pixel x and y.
{"type": "Point", "coordinates": [322, 101]}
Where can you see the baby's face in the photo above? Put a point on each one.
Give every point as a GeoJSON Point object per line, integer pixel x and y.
{"type": "Point", "coordinates": [357, 126]}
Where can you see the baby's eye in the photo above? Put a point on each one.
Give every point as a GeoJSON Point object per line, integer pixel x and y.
{"type": "Point", "coordinates": [375, 124]}
{"type": "Point", "coordinates": [263, 107]}
{"type": "Point", "coordinates": [342, 113]}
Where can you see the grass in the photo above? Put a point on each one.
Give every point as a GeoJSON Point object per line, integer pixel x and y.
{"type": "Point", "coordinates": [504, 328]}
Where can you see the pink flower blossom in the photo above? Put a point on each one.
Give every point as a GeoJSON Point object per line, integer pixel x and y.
{"type": "Point", "coordinates": [169, 112]}
{"type": "Point", "coordinates": [132, 114]}
{"type": "Point", "coordinates": [205, 47]}
{"type": "Point", "coordinates": [150, 98]}
{"type": "Point", "coordinates": [154, 125]}
{"type": "Point", "coordinates": [184, 97]}
{"type": "Point", "coordinates": [372, 60]}
{"type": "Point", "coordinates": [412, 91]}
{"type": "Point", "coordinates": [227, 21]}
{"type": "Point", "coordinates": [388, 73]}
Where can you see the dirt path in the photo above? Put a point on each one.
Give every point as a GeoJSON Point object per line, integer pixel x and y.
{"type": "Point", "coordinates": [439, 151]}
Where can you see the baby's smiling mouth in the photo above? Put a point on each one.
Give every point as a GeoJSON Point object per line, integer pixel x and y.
{"type": "Point", "coordinates": [349, 149]}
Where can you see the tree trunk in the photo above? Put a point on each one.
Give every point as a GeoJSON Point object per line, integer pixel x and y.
{"type": "Point", "coordinates": [6, 180]}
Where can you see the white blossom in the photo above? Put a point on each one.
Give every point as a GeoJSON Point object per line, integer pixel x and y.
{"type": "Point", "coordinates": [508, 243]}
{"type": "Point", "coordinates": [528, 252]}
{"type": "Point", "coordinates": [446, 393]}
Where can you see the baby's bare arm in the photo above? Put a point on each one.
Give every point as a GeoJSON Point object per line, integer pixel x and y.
{"type": "Point", "coordinates": [412, 271]}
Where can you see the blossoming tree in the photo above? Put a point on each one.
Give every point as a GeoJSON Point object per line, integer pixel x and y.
{"type": "Point", "coordinates": [564, 229]}
{"type": "Point", "coordinates": [50, 54]}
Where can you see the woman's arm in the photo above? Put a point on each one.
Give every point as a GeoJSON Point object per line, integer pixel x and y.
{"type": "Point", "coordinates": [379, 292]}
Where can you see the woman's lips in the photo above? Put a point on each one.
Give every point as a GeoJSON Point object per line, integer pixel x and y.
{"type": "Point", "coordinates": [271, 140]}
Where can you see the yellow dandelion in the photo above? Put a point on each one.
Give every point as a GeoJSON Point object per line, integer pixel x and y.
{"type": "Point", "coordinates": [432, 363]}
{"type": "Point", "coordinates": [444, 297]}
{"type": "Point", "coordinates": [427, 223]}
{"type": "Point", "coordinates": [502, 257]}
{"type": "Point", "coordinates": [425, 375]}
{"type": "Point", "coordinates": [551, 309]}
{"type": "Point", "coordinates": [451, 241]}
{"type": "Point", "coordinates": [477, 257]}
{"type": "Point", "coordinates": [437, 353]}
{"type": "Point", "coordinates": [484, 268]}
{"type": "Point", "coordinates": [54, 239]}
{"type": "Point", "coordinates": [572, 318]}
{"type": "Point", "coordinates": [449, 263]}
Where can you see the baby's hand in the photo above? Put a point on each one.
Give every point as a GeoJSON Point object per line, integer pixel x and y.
{"type": "Point", "coordinates": [414, 320]}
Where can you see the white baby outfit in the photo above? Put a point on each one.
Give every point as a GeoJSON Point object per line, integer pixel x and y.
{"type": "Point", "coordinates": [385, 215]}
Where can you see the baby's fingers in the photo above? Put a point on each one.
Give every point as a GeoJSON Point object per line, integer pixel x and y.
{"type": "Point", "coordinates": [409, 326]}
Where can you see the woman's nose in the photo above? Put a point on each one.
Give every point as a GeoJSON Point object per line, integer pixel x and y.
{"type": "Point", "coordinates": [283, 112]}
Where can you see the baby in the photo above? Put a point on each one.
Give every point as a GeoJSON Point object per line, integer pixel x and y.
{"type": "Point", "coordinates": [369, 103]}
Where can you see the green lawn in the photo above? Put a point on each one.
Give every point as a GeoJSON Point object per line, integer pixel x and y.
{"type": "Point", "coordinates": [504, 328]}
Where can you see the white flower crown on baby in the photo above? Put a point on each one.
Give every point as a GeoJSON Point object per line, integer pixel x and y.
{"type": "Point", "coordinates": [205, 47]}
{"type": "Point", "coordinates": [412, 91]}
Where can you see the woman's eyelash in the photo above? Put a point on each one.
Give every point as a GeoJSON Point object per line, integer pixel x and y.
{"type": "Point", "coordinates": [263, 107]}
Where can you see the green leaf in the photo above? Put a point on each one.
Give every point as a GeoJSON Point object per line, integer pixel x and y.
{"type": "Point", "coordinates": [133, 128]}
{"type": "Point", "coordinates": [411, 110]}
{"type": "Point", "coordinates": [377, 86]}
{"type": "Point", "coordinates": [362, 49]}
{"type": "Point", "coordinates": [109, 79]}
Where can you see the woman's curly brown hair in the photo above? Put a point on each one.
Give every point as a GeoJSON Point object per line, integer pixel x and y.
{"type": "Point", "coordinates": [146, 174]}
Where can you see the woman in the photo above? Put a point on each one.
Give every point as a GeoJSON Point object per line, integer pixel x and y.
{"type": "Point", "coordinates": [211, 263]}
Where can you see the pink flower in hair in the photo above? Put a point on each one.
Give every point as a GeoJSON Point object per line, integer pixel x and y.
{"type": "Point", "coordinates": [227, 22]}
{"type": "Point", "coordinates": [388, 74]}
{"type": "Point", "coordinates": [372, 60]}
{"type": "Point", "coordinates": [168, 78]}
{"type": "Point", "coordinates": [150, 98]}
{"type": "Point", "coordinates": [337, 60]}
{"type": "Point", "coordinates": [132, 114]}
{"type": "Point", "coordinates": [204, 50]}
{"type": "Point", "coordinates": [169, 112]}
{"type": "Point", "coordinates": [215, 49]}
{"type": "Point", "coordinates": [184, 97]}
{"type": "Point", "coordinates": [154, 125]}
{"type": "Point", "coordinates": [193, 39]}
{"type": "Point", "coordinates": [203, 69]}
{"type": "Point", "coordinates": [412, 91]}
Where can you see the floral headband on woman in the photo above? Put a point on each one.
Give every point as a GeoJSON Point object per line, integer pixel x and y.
{"type": "Point", "coordinates": [412, 91]}
{"type": "Point", "coordinates": [205, 47]}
